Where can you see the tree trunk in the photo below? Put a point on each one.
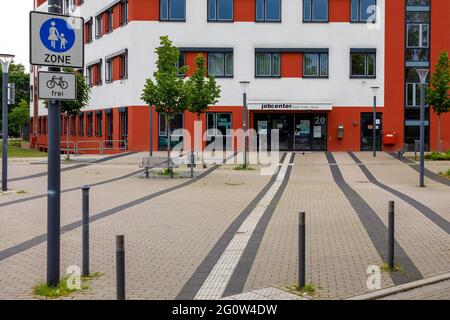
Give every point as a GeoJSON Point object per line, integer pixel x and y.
{"type": "Point", "coordinates": [169, 166]}
{"type": "Point", "coordinates": [439, 133]}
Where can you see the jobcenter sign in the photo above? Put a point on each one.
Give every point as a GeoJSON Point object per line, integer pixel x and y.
{"type": "Point", "coordinates": [56, 40]}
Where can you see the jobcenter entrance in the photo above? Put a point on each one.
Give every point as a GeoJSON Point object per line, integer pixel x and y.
{"type": "Point", "coordinates": [297, 131]}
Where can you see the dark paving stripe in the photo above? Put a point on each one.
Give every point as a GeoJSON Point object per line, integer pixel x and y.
{"type": "Point", "coordinates": [240, 274]}
{"type": "Point", "coordinates": [375, 228]}
{"type": "Point", "coordinates": [426, 211]}
{"type": "Point", "coordinates": [69, 227]}
{"type": "Point", "coordinates": [77, 166]}
{"type": "Point", "coordinates": [428, 173]}
{"type": "Point", "coordinates": [68, 190]}
{"type": "Point", "coordinates": [195, 282]}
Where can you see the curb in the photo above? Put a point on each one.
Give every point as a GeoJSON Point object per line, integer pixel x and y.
{"type": "Point", "coordinates": [401, 288]}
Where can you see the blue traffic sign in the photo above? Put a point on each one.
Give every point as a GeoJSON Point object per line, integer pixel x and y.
{"type": "Point", "coordinates": [57, 35]}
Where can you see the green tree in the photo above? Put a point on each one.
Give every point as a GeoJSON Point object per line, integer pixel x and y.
{"type": "Point", "coordinates": [21, 79]}
{"type": "Point", "coordinates": [438, 94]}
{"type": "Point", "coordinates": [83, 93]}
{"type": "Point", "coordinates": [204, 90]}
{"type": "Point", "coordinates": [18, 118]}
{"type": "Point", "coordinates": [167, 91]}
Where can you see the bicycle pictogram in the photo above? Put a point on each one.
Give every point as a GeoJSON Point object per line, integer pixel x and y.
{"type": "Point", "coordinates": [57, 81]}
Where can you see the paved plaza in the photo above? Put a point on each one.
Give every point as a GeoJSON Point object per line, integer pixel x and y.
{"type": "Point", "coordinates": [232, 234]}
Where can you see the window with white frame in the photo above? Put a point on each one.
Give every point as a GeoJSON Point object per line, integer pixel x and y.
{"type": "Point", "coordinates": [267, 65]}
{"type": "Point", "coordinates": [363, 10]}
{"type": "Point", "coordinates": [220, 64]}
{"type": "Point", "coordinates": [172, 10]}
{"type": "Point", "coordinates": [315, 65]}
{"type": "Point", "coordinates": [362, 64]}
{"type": "Point", "coordinates": [315, 10]}
{"type": "Point", "coordinates": [220, 10]}
{"type": "Point", "coordinates": [268, 10]}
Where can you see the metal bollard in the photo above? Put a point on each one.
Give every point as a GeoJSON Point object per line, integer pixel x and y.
{"type": "Point", "coordinates": [120, 267]}
{"type": "Point", "coordinates": [85, 229]}
{"type": "Point", "coordinates": [391, 236]}
{"type": "Point", "coordinates": [301, 250]}
{"type": "Point", "coordinates": [192, 164]}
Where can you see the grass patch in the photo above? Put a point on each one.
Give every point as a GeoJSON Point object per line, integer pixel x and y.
{"type": "Point", "coordinates": [15, 151]}
{"type": "Point", "coordinates": [62, 290]}
{"type": "Point", "coordinates": [397, 268]}
{"type": "Point", "coordinates": [234, 183]}
{"type": "Point", "coordinates": [241, 167]}
{"type": "Point", "coordinates": [166, 172]}
{"type": "Point", "coordinates": [309, 289]}
{"type": "Point", "coordinates": [445, 174]}
{"type": "Point", "coordinates": [438, 156]}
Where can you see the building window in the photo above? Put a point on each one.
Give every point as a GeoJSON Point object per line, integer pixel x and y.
{"type": "Point", "coordinates": [218, 122]}
{"type": "Point", "coordinates": [315, 65]}
{"type": "Point", "coordinates": [268, 65]}
{"type": "Point", "coordinates": [99, 124]}
{"type": "Point", "coordinates": [418, 3]}
{"type": "Point", "coordinates": [94, 74]}
{"type": "Point", "coordinates": [88, 31]}
{"type": "Point", "coordinates": [176, 124]}
{"type": "Point", "coordinates": [418, 41]}
{"type": "Point", "coordinates": [363, 65]}
{"type": "Point", "coordinates": [123, 71]}
{"type": "Point", "coordinates": [220, 10]}
{"type": "Point", "coordinates": [98, 26]}
{"type": "Point", "coordinates": [268, 10]}
{"type": "Point", "coordinates": [220, 64]}
{"type": "Point", "coordinates": [81, 124]}
{"type": "Point", "coordinates": [173, 10]}
{"type": "Point", "coordinates": [73, 125]}
{"type": "Point", "coordinates": [124, 12]}
{"type": "Point", "coordinates": [89, 124]}
{"type": "Point", "coordinates": [315, 10]}
{"type": "Point", "coordinates": [413, 94]}
{"type": "Point", "coordinates": [181, 63]}
{"type": "Point", "coordinates": [123, 127]}
{"type": "Point", "coordinates": [109, 20]}
{"type": "Point", "coordinates": [109, 70]}
{"type": "Point", "coordinates": [362, 10]}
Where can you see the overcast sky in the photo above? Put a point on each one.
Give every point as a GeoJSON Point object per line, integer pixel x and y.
{"type": "Point", "coordinates": [14, 29]}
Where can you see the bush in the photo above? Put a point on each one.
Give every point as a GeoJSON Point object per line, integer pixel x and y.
{"type": "Point", "coordinates": [438, 156]}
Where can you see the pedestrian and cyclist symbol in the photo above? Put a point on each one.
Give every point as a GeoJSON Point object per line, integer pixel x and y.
{"type": "Point", "coordinates": [57, 81]}
{"type": "Point", "coordinates": [56, 40]}
{"type": "Point", "coordinates": [57, 85]}
{"type": "Point", "coordinates": [57, 35]}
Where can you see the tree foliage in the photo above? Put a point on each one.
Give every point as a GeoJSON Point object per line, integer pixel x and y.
{"type": "Point", "coordinates": [18, 118]}
{"type": "Point", "coordinates": [83, 94]}
{"type": "Point", "coordinates": [21, 79]}
{"type": "Point", "coordinates": [203, 89]}
{"type": "Point", "coordinates": [167, 91]}
{"type": "Point", "coordinates": [438, 94]}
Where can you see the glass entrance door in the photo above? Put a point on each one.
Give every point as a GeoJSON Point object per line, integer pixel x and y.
{"type": "Point", "coordinates": [297, 132]}
{"type": "Point", "coordinates": [367, 131]}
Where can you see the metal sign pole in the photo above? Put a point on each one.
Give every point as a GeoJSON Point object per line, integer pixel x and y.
{"type": "Point", "coordinates": [54, 179]}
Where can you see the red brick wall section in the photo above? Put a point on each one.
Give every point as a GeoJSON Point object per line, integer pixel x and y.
{"type": "Point", "coordinates": [140, 10]}
{"type": "Point", "coordinates": [190, 61]}
{"type": "Point", "coordinates": [394, 110]}
{"type": "Point", "coordinates": [440, 41]}
{"type": "Point", "coordinates": [291, 65]}
{"type": "Point", "coordinates": [244, 10]}
{"type": "Point", "coordinates": [339, 10]}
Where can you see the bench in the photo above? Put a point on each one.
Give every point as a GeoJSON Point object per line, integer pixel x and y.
{"type": "Point", "coordinates": [402, 151]}
{"type": "Point", "coordinates": [146, 165]}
